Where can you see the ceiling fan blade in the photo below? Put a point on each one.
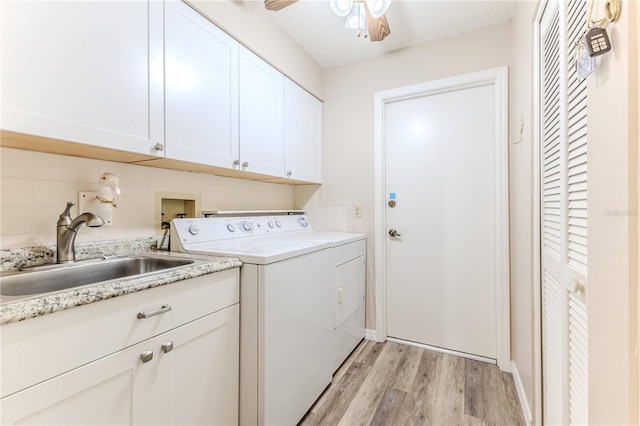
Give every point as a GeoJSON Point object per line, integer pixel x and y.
{"type": "Point", "coordinates": [377, 28]}
{"type": "Point", "coordinates": [278, 4]}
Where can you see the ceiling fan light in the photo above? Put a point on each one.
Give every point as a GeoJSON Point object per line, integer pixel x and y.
{"type": "Point", "coordinates": [356, 19]}
{"type": "Point", "coordinates": [341, 7]}
{"type": "Point", "coordinates": [377, 8]}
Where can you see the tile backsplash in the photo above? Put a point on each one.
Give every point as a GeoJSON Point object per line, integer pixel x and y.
{"type": "Point", "coordinates": [35, 186]}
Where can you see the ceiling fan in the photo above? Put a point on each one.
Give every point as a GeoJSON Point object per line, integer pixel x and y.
{"type": "Point", "coordinates": [362, 15]}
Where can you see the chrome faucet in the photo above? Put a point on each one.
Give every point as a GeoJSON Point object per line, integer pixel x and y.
{"type": "Point", "coordinates": [67, 229]}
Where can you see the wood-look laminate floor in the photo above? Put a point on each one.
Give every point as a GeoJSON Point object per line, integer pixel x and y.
{"type": "Point", "coordinates": [392, 384]}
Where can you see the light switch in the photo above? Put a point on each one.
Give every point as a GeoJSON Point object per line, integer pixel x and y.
{"type": "Point", "coordinates": [340, 296]}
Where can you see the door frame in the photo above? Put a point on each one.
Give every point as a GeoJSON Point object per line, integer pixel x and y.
{"type": "Point", "coordinates": [537, 218]}
{"type": "Point", "coordinates": [498, 77]}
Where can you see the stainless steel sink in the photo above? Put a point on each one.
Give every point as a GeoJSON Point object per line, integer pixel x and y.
{"type": "Point", "coordinates": [50, 278]}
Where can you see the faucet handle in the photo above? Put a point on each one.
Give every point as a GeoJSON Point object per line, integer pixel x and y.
{"type": "Point", "coordinates": [65, 216]}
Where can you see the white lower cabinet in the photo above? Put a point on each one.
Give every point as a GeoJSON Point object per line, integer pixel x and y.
{"type": "Point", "coordinates": [203, 370]}
{"type": "Point", "coordinates": [186, 375]}
{"type": "Point", "coordinates": [102, 392]}
{"type": "Point", "coordinates": [193, 382]}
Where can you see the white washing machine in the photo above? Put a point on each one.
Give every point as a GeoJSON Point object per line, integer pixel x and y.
{"type": "Point", "coordinates": [301, 304]}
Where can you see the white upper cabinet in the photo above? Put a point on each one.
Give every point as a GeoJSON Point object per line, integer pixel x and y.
{"type": "Point", "coordinates": [84, 71]}
{"type": "Point", "coordinates": [302, 134]}
{"type": "Point", "coordinates": [201, 89]}
{"type": "Point", "coordinates": [261, 116]}
{"type": "Point", "coordinates": [155, 78]}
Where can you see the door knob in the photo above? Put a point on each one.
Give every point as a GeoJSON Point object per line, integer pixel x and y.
{"type": "Point", "coordinates": [394, 233]}
{"type": "Point", "coordinates": [577, 286]}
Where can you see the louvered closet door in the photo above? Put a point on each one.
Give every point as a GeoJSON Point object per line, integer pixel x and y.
{"type": "Point", "coordinates": [563, 174]}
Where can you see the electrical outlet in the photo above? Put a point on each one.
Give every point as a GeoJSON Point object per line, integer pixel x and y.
{"type": "Point", "coordinates": [357, 210]}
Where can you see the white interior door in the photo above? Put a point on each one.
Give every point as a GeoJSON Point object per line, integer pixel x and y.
{"type": "Point", "coordinates": [441, 172]}
{"type": "Point", "coordinates": [563, 184]}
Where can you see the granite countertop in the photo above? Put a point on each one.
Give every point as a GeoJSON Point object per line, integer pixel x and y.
{"type": "Point", "coordinates": [12, 311]}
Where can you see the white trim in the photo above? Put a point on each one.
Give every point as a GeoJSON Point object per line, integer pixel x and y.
{"type": "Point", "coordinates": [503, 276]}
{"type": "Point", "coordinates": [499, 79]}
{"type": "Point", "coordinates": [537, 253]}
{"type": "Point", "coordinates": [442, 350]}
{"type": "Point", "coordinates": [380, 270]}
{"type": "Point", "coordinates": [524, 404]}
{"type": "Point", "coordinates": [371, 335]}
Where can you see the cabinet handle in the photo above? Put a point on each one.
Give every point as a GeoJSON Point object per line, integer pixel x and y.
{"type": "Point", "coordinates": [158, 147]}
{"type": "Point", "coordinates": [236, 162]}
{"type": "Point", "coordinates": [146, 356]}
{"type": "Point", "coordinates": [289, 173]}
{"type": "Point", "coordinates": [167, 347]}
{"type": "Point", "coordinates": [245, 164]}
{"type": "Point", "coordinates": [162, 310]}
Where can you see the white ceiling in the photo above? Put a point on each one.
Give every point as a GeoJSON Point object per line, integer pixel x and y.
{"type": "Point", "coordinates": [322, 34]}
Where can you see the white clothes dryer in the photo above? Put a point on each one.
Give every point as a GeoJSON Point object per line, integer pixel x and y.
{"type": "Point", "coordinates": [301, 304]}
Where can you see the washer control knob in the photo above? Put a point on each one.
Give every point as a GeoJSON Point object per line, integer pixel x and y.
{"type": "Point", "coordinates": [303, 222]}
{"type": "Point", "coordinates": [231, 227]}
{"type": "Point", "coordinates": [247, 226]}
{"type": "Point", "coordinates": [278, 224]}
{"type": "Point", "coordinates": [193, 230]}
{"type": "Point", "coordinates": [271, 224]}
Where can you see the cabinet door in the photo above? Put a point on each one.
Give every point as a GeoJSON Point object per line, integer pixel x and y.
{"type": "Point", "coordinates": [192, 378]}
{"type": "Point", "coordinates": [349, 309]}
{"type": "Point", "coordinates": [302, 134]}
{"type": "Point", "coordinates": [261, 116]}
{"type": "Point", "coordinates": [201, 89]}
{"type": "Point", "coordinates": [88, 72]}
{"type": "Point", "coordinates": [350, 282]}
{"type": "Point", "coordinates": [204, 371]}
{"type": "Point", "coordinates": [109, 391]}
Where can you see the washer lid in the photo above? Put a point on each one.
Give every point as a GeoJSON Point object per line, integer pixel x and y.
{"type": "Point", "coordinates": [259, 251]}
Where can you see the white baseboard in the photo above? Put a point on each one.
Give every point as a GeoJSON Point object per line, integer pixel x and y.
{"type": "Point", "coordinates": [524, 404]}
{"type": "Point", "coordinates": [370, 334]}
